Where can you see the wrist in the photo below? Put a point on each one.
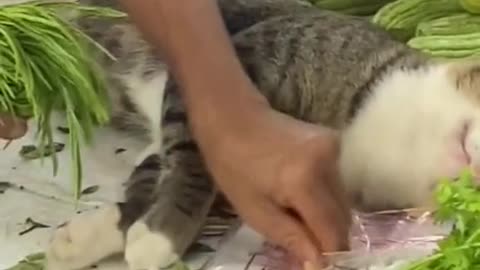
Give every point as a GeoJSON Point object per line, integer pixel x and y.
{"type": "Point", "coordinates": [223, 122]}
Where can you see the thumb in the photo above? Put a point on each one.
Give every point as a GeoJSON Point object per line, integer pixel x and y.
{"type": "Point", "coordinates": [284, 229]}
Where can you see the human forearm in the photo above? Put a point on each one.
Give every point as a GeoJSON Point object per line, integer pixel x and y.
{"type": "Point", "coordinates": [192, 36]}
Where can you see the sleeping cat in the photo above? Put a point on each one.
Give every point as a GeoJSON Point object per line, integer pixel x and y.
{"type": "Point", "coordinates": [405, 121]}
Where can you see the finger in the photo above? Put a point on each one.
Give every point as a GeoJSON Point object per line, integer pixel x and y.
{"type": "Point", "coordinates": [283, 229]}
{"type": "Point", "coordinates": [334, 185]}
{"type": "Point", "coordinates": [324, 217]}
{"type": "Point", "coordinates": [333, 180]}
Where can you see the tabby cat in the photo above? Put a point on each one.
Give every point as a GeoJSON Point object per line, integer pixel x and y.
{"type": "Point", "coordinates": [405, 119]}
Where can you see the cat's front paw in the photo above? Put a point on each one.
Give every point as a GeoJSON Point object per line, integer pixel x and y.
{"type": "Point", "coordinates": [148, 250]}
{"type": "Point", "coordinates": [85, 240]}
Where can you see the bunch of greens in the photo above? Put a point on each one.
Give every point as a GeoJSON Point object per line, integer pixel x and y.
{"type": "Point", "coordinates": [47, 64]}
{"type": "Point", "coordinates": [34, 261]}
{"type": "Point", "coordinates": [458, 202]}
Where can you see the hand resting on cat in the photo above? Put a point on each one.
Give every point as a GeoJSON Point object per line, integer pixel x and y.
{"type": "Point", "coordinates": [264, 162]}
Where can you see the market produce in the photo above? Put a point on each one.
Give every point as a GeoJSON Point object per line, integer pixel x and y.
{"type": "Point", "coordinates": [458, 202]}
{"type": "Point", "coordinates": [34, 261]}
{"type": "Point", "coordinates": [456, 36]}
{"type": "Point", "coordinates": [47, 65]}
{"type": "Point", "coordinates": [464, 23]}
{"type": "Point", "coordinates": [449, 46]}
{"type": "Point", "coordinates": [401, 17]}
{"type": "Point", "coordinates": [472, 6]}
{"type": "Point", "coordinates": [412, 19]}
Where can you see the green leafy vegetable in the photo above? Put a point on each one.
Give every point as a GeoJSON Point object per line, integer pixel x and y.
{"type": "Point", "coordinates": [472, 6]}
{"type": "Point", "coordinates": [46, 64]}
{"type": "Point", "coordinates": [458, 202]}
{"type": "Point", "coordinates": [34, 261]}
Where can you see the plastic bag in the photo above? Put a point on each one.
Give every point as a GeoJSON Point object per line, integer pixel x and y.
{"type": "Point", "coordinates": [385, 240]}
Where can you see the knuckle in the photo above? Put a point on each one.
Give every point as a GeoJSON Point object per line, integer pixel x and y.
{"type": "Point", "coordinates": [290, 241]}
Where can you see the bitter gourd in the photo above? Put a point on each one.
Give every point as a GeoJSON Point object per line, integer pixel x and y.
{"type": "Point", "coordinates": [405, 15]}
{"type": "Point", "coordinates": [472, 6]}
{"type": "Point", "coordinates": [448, 46]}
{"type": "Point", "coordinates": [463, 23]}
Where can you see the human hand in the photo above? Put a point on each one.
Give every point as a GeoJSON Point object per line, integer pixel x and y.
{"type": "Point", "coordinates": [280, 175]}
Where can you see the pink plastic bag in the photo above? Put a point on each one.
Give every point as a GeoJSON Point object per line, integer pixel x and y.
{"type": "Point", "coordinates": [385, 240]}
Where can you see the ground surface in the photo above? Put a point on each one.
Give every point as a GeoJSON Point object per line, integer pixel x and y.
{"type": "Point", "coordinates": [50, 202]}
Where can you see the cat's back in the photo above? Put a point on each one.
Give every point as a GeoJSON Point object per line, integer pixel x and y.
{"type": "Point", "coordinates": [319, 65]}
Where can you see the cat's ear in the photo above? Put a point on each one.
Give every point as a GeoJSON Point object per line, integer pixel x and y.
{"type": "Point", "coordinates": [466, 77]}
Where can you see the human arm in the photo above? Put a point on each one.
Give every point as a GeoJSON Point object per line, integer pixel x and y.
{"type": "Point", "coordinates": [279, 173]}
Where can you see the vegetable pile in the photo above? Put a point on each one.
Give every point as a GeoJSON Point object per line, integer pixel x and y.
{"type": "Point", "coordinates": [440, 28]}
{"type": "Point", "coordinates": [458, 202]}
{"type": "Point", "coordinates": [46, 65]}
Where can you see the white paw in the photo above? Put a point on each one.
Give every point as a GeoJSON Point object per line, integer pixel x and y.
{"type": "Point", "coordinates": [85, 240]}
{"type": "Point", "coordinates": [147, 250]}
{"type": "Point", "coordinates": [151, 149]}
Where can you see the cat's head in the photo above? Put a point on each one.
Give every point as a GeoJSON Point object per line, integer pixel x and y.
{"type": "Point", "coordinates": [417, 127]}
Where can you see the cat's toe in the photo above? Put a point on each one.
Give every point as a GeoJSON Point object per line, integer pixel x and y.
{"type": "Point", "coordinates": [147, 250]}
{"type": "Point", "coordinates": [85, 240]}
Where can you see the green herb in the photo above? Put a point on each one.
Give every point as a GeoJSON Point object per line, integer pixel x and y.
{"type": "Point", "coordinates": [458, 202]}
{"type": "Point", "coordinates": [34, 261]}
{"type": "Point", "coordinates": [47, 64]}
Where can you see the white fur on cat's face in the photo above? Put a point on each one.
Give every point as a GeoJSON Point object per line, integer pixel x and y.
{"type": "Point", "coordinates": [412, 131]}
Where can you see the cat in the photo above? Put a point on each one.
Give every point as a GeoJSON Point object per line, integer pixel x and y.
{"type": "Point", "coordinates": [405, 120]}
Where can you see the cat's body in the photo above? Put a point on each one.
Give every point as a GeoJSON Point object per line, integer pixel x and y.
{"type": "Point", "coordinates": [400, 114]}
